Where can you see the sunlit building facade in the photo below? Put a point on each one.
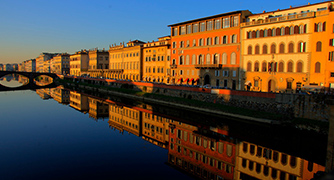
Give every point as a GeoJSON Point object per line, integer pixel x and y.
{"type": "Point", "coordinates": [60, 64]}
{"type": "Point", "coordinates": [41, 59]}
{"type": "Point", "coordinates": [97, 108]}
{"type": "Point", "coordinates": [156, 60]}
{"type": "Point", "coordinates": [79, 63]}
{"type": "Point", "coordinates": [98, 62]}
{"type": "Point", "coordinates": [206, 51]}
{"type": "Point", "coordinates": [79, 101]}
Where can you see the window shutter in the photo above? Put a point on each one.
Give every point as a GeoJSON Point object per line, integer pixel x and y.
{"type": "Point", "coordinates": [324, 26]}
{"type": "Point", "coordinates": [331, 42]}
{"type": "Point", "coordinates": [315, 27]}
{"type": "Point", "coordinates": [305, 28]}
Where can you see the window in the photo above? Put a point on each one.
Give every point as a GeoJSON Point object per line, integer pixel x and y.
{"type": "Point", "coordinates": [188, 29]}
{"type": "Point", "coordinates": [249, 50]}
{"type": "Point", "coordinates": [181, 44]}
{"type": "Point", "coordinates": [291, 47]}
{"type": "Point", "coordinates": [244, 163]}
{"type": "Point", "coordinates": [281, 67]}
{"type": "Point", "coordinates": [331, 56]}
{"type": "Point", "coordinates": [187, 60]}
{"type": "Point", "coordinates": [175, 32]}
{"type": "Point", "coordinates": [331, 42]}
{"type": "Point", "coordinates": [302, 47]}
{"type": "Point", "coordinates": [317, 67]}
{"type": "Point", "coordinates": [181, 60]}
{"type": "Point", "coordinates": [257, 49]}
{"type": "Point", "coordinates": [226, 22]}
{"type": "Point", "coordinates": [217, 24]}
{"type": "Point", "coordinates": [319, 44]}
{"type": "Point", "coordinates": [259, 151]}
{"type": "Point", "coordinates": [234, 73]}
{"type": "Point", "coordinates": [281, 48]}
{"type": "Point", "coordinates": [257, 35]}
{"type": "Point", "coordinates": [258, 168]}
{"type": "Point", "coordinates": [216, 40]}
{"type": "Point", "coordinates": [299, 67]}
{"type": "Point", "coordinates": [200, 59]}
{"type": "Point", "coordinates": [224, 39]}
{"type": "Point", "coordinates": [282, 31]}
{"type": "Point", "coordinates": [265, 49]}
{"type": "Point", "coordinates": [256, 67]}
{"type": "Point", "coordinates": [264, 67]}
{"type": "Point", "coordinates": [273, 173]}
{"type": "Point", "coordinates": [249, 66]}
{"type": "Point", "coordinates": [217, 73]}
{"type": "Point", "coordinates": [233, 58]}
{"type": "Point", "coordinates": [208, 41]}
{"type": "Point", "coordinates": [188, 43]}
{"type": "Point", "coordinates": [220, 147]}
{"type": "Point", "coordinates": [273, 49]}
{"type": "Point", "coordinates": [245, 147]}
{"type": "Point", "coordinates": [174, 44]}
{"type": "Point", "coordinates": [251, 165]}
{"type": "Point", "coordinates": [234, 38]}
{"type": "Point", "coordinates": [202, 28]}
{"type": "Point", "coordinates": [200, 43]}
{"type": "Point", "coordinates": [284, 158]}
{"type": "Point", "coordinates": [216, 59]}
{"type": "Point", "coordinates": [293, 162]}
{"type": "Point", "coordinates": [290, 66]}
{"type": "Point", "coordinates": [195, 28]}
{"type": "Point", "coordinates": [235, 21]}
{"type": "Point", "coordinates": [265, 33]}
{"type": "Point", "coordinates": [193, 60]}
{"type": "Point", "coordinates": [209, 26]}
{"type": "Point", "coordinates": [194, 42]}
{"type": "Point", "coordinates": [208, 59]}
{"type": "Point", "coordinates": [224, 58]}
{"type": "Point", "coordinates": [292, 30]}
{"type": "Point", "coordinates": [252, 149]}
{"type": "Point", "coordinates": [183, 30]}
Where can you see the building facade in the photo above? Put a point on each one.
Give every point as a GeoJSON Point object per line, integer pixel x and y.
{"type": "Point", "coordinates": [206, 51]}
{"type": "Point", "coordinates": [125, 61]}
{"type": "Point", "coordinates": [156, 60]}
{"type": "Point", "coordinates": [98, 62]}
{"type": "Point", "coordinates": [40, 60]}
{"type": "Point", "coordinates": [60, 64]}
{"type": "Point", "coordinates": [79, 63]}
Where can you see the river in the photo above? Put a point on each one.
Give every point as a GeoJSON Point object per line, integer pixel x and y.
{"type": "Point", "coordinates": [65, 134]}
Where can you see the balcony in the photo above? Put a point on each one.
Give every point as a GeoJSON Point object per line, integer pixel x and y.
{"type": "Point", "coordinates": [208, 66]}
{"type": "Point", "coordinates": [173, 66]}
{"type": "Point", "coordinates": [279, 19]}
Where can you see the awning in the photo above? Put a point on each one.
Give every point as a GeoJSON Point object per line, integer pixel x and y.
{"type": "Point", "coordinates": [179, 80]}
{"type": "Point", "coordinates": [191, 79]}
{"type": "Point", "coordinates": [186, 80]}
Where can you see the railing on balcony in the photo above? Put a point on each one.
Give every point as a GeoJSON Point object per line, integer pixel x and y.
{"type": "Point", "coordinates": [282, 18]}
{"type": "Point", "coordinates": [208, 66]}
{"type": "Point", "coordinates": [173, 66]}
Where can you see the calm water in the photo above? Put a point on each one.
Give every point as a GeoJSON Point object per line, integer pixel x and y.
{"type": "Point", "coordinates": [63, 134]}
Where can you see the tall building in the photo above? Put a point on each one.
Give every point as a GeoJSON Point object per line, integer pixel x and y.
{"type": "Point", "coordinates": [156, 60]}
{"type": "Point", "coordinates": [278, 52]}
{"type": "Point", "coordinates": [60, 64]}
{"type": "Point", "coordinates": [40, 60]}
{"type": "Point", "coordinates": [206, 51]}
{"type": "Point", "coordinates": [125, 61]}
{"type": "Point", "coordinates": [98, 62]}
{"type": "Point", "coordinates": [79, 63]}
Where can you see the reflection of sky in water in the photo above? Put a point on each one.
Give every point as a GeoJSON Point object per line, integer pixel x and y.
{"type": "Point", "coordinates": [11, 83]}
{"type": "Point", "coordinates": [46, 140]}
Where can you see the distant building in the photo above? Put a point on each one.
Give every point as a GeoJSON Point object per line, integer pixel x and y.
{"type": "Point", "coordinates": [126, 61]}
{"type": "Point", "coordinates": [79, 63]}
{"type": "Point", "coordinates": [156, 60]}
{"type": "Point", "coordinates": [79, 101]}
{"type": "Point", "coordinates": [60, 64]}
{"type": "Point", "coordinates": [98, 62]}
{"type": "Point", "coordinates": [46, 66]}
{"type": "Point", "coordinates": [15, 67]}
{"type": "Point", "coordinates": [97, 109]}
{"type": "Point", "coordinates": [41, 59]}
{"type": "Point", "coordinates": [8, 67]}
{"type": "Point", "coordinates": [1, 67]}
{"type": "Point", "coordinates": [30, 65]}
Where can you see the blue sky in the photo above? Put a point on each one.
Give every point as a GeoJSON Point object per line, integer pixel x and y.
{"type": "Point", "coordinates": [29, 27]}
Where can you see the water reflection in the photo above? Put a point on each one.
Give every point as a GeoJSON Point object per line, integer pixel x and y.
{"type": "Point", "coordinates": [206, 148]}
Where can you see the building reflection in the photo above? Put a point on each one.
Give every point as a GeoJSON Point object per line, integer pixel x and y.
{"type": "Point", "coordinates": [43, 93]}
{"type": "Point", "coordinates": [197, 149]}
{"type": "Point", "coordinates": [61, 95]}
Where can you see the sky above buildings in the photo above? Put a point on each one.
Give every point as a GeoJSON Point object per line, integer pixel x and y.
{"type": "Point", "coordinates": [28, 28]}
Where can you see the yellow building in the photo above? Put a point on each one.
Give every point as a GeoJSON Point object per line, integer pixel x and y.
{"type": "Point", "coordinates": [254, 161]}
{"type": "Point", "coordinates": [156, 60]}
{"type": "Point", "coordinates": [60, 95]}
{"type": "Point", "coordinates": [79, 101]}
{"type": "Point", "coordinates": [46, 66]}
{"type": "Point", "coordinates": [124, 118]}
{"type": "Point", "coordinates": [277, 48]}
{"type": "Point", "coordinates": [322, 46]}
{"type": "Point", "coordinates": [40, 60]}
{"type": "Point", "coordinates": [79, 63]}
{"type": "Point", "coordinates": [98, 61]}
{"type": "Point", "coordinates": [60, 64]}
{"type": "Point", "coordinates": [125, 62]}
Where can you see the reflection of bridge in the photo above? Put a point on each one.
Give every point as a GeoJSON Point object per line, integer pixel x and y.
{"type": "Point", "coordinates": [30, 85]}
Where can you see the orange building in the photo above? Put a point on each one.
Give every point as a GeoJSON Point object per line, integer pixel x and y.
{"type": "Point", "coordinates": [206, 51]}
{"type": "Point", "coordinates": [156, 60]}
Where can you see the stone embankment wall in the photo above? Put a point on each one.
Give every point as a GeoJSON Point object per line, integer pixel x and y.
{"type": "Point", "coordinates": [290, 105]}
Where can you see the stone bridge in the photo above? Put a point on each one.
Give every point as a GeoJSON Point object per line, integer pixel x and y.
{"type": "Point", "coordinates": [30, 85]}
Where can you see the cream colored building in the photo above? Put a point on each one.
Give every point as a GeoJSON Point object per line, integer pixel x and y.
{"type": "Point", "coordinates": [46, 66]}
{"type": "Point", "coordinates": [79, 101]}
{"type": "Point", "coordinates": [156, 60]}
{"type": "Point", "coordinates": [98, 62]}
{"type": "Point", "coordinates": [125, 61]}
{"type": "Point", "coordinates": [97, 108]}
{"type": "Point", "coordinates": [60, 64]}
{"type": "Point", "coordinates": [40, 60]}
{"type": "Point", "coordinates": [79, 63]}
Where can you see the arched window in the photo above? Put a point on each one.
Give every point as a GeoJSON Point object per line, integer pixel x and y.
{"type": "Point", "coordinates": [234, 38]}
{"type": "Point", "coordinates": [296, 29]}
{"type": "Point", "coordinates": [273, 49]}
{"type": "Point", "coordinates": [233, 58]}
{"type": "Point", "coordinates": [324, 26]}
{"type": "Point", "coordinates": [281, 48]}
{"type": "Point", "coordinates": [257, 49]}
{"type": "Point", "coordinates": [282, 31]}
{"type": "Point", "coordinates": [249, 35]}
{"type": "Point", "coordinates": [264, 66]}
{"type": "Point", "coordinates": [200, 59]}
{"type": "Point", "coordinates": [194, 42]}
{"type": "Point", "coordinates": [319, 27]}
{"type": "Point", "coordinates": [290, 66]}
{"type": "Point", "coordinates": [200, 43]}
{"type": "Point", "coordinates": [181, 60]}
{"type": "Point", "coordinates": [187, 60]}
{"type": "Point", "coordinates": [273, 32]}
{"type": "Point", "coordinates": [291, 46]}
{"type": "Point", "coordinates": [224, 39]}
{"type": "Point", "coordinates": [216, 59]}
{"type": "Point", "coordinates": [261, 33]}
{"type": "Point", "coordinates": [265, 33]}
{"type": "Point", "coordinates": [281, 67]}
{"type": "Point", "coordinates": [270, 33]}
{"type": "Point", "coordinates": [301, 47]}
{"type": "Point", "coordinates": [256, 67]}
{"type": "Point", "coordinates": [249, 49]}
{"type": "Point", "coordinates": [319, 44]}
{"type": "Point", "coordinates": [299, 67]}
{"type": "Point", "coordinates": [193, 60]}
{"type": "Point", "coordinates": [278, 31]}
{"type": "Point", "coordinates": [265, 49]}
{"type": "Point", "coordinates": [317, 67]}
{"type": "Point", "coordinates": [249, 66]}
{"type": "Point", "coordinates": [208, 59]}
{"type": "Point", "coordinates": [257, 34]}
{"type": "Point", "coordinates": [216, 40]}
{"type": "Point", "coordinates": [208, 41]}
{"type": "Point", "coordinates": [224, 58]}
{"type": "Point", "coordinates": [292, 30]}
